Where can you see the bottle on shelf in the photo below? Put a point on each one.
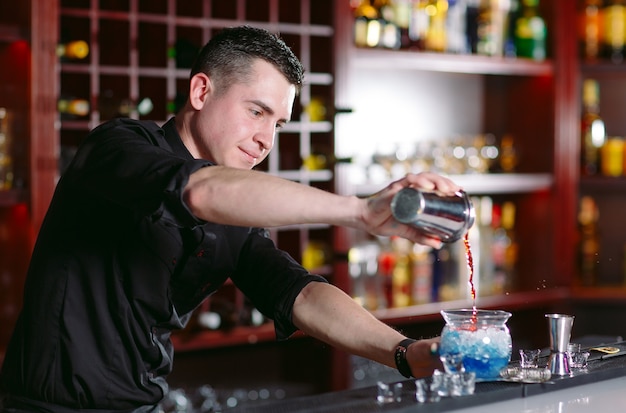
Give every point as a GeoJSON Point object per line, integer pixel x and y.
{"type": "Point", "coordinates": [390, 31]}
{"type": "Point", "coordinates": [593, 133]}
{"type": "Point", "coordinates": [74, 50]}
{"type": "Point", "coordinates": [367, 26]}
{"type": "Point", "coordinates": [402, 12]}
{"type": "Point", "coordinates": [419, 24]}
{"type": "Point", "coordinates": [484, 267]}
{"type": "Point", "coordinates": [6, 158]}
{"type": "Point", "coordinates": [591, 30]}
{"type": "Point", "coordinates": [492, 27]}
{"type": "Point", "coordinates": [530, 32]}
{"type": "Point", "coordinates": [435, 40]}
{"type": "Point", "coordinates": [421, 274]}
{"type": "Point", "coordinates": [504, 247]}
{"type": "Point", "coordinates": [446, 275]}
{"type": "Point", "coordinates": [356, 268]}
{"type": "Point", "coordinates": [386, 264]}
{"type": "Point", "coordinates": [456, 22]}
{"type": "Point", "coordinates": [508, 154]}
{"type": "Point", "coordinates": [73, 107]}
{"type": "Point", "coordinates": [612, 156]}
{"type": "Point", "coordinates": [589, 247]}
{"type": "Point", "coordinates": [401, 274]}
{"type": "Point", "coordinates": [614, 21]}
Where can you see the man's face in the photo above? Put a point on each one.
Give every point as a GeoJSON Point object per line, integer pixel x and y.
{"type": "Point", "coordinates": [237, 127]}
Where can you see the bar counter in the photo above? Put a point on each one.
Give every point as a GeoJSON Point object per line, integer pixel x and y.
{"type": "Point", "coordinates": [600, 388]}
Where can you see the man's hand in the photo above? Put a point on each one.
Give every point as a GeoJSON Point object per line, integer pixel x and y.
{"type": "Point", "coordinates": [422, 359]}
{"type": "Point", "coordinates": [377, 215]}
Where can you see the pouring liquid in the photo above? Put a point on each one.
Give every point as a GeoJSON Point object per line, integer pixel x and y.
{"type": "Point", "coordinates": [470, 265]}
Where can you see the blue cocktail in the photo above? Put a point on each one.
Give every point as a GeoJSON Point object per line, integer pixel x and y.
{"type": "Point", "coordinates": [481, 337]}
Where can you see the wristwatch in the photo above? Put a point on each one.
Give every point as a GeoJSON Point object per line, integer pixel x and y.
{"type": "Point", "coordinates": [400, 357]}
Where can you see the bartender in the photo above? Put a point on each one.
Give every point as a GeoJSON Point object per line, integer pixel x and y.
{"type": "Point", "coordinates": [149, 221]}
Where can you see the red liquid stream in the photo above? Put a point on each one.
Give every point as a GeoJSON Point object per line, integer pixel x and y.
{"type": "Point", "coordinates": [470, 264]}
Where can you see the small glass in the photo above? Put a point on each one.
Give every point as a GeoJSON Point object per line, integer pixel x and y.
{"type": "Point", "coordinates": [578, 360]}
{"type": "Point", "coordinates": [388, 393]}
{"type": "Point", "coordinates": [452, 363]}
{"type": "Point", "coordinates": [438, 383]}
{"type": "Point", "coordinates": [529, 358]}
{"type": "Point", "coordinates": [452, 382]}
{"type": "Point", "coordinates": [425, 392]}
{"type": "Point", "coordinates": [468, 383]}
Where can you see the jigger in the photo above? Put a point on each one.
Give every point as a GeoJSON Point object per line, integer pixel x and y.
{"type": "Point", "coordinates": [560, 332]}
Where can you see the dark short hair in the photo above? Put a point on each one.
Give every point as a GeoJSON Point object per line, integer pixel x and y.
{"type": "Point", "coordinates": [227, 58]}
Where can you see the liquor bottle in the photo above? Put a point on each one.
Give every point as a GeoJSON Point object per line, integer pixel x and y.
{"type": "Point", "coordinates": [593, 133]}
{"type": "Point", "coordinates": [402, 11]}
{"type": "Point", "coordinates": [419, 24]}
{"type": "Point", "coordinates": [504, 248]}
{"type": "Point", "coordinates": [6, 158]}
{"type": "Point", "coordinates": [456, 37]}
{"type": "Point", "coordinates": [612, 156]}
{"type": "Point", "coordinates": [589, 248]}
{"type": "Point", "coordinates": [435, 40]}
{"type": "Point", "coordinates": [356, 269]}
{"type": "Point", "coordinates": [492, 27]}
{"type": "Point", "coordinates": [530, 32]}
{"type": "Point", "coordinates": [472, 12]}
{"type": "Point", "coordinates": [367, 27]}
{"type": "Point", "coordinates": [614, 20]}
{"type": "Point", "coordinates": [484, 267]}
{"type": "Point", "coordinates": [508, 154]}
{"type": "Point", "coordinates": [71, 107]}
{"type": "Point", "coordinates": [390, 31]}
{"type": "Point", "coordinates": [590, 30]}
{"type": "Point", "coordinates": [421, 274]}
{"type": "Point", "coordinates": [401, 275]}
{"type": "Point", "coordinates": [74, 50]}
{"type": "Point", "coordinates": [386, 264]}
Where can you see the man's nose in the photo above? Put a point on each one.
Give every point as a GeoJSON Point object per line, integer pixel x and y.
{"type": "Point", "coordinates": [265, 137]}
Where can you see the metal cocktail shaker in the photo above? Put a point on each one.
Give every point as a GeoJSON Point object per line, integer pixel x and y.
{"type": "Point", "coordinates": [445, 217]}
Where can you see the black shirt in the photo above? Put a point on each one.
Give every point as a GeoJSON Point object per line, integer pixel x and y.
{"type": "Point", "coordinates": [119, 263]}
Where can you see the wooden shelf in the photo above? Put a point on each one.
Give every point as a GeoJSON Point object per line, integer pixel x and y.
{"type": "Point", "coordinates": [599, 294]}
{"type": "Point", "coordinates": [449, 63]}
{"type": "Point", "coordinates": [614, 185]}
{"type": "Point", "coordinates": [508, 302]}
{"type": "Point", "coordinates": [602, 68]}
{"type": "Point", "coordinates": [486, 183]}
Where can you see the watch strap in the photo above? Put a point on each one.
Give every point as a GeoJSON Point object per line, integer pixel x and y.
{"type": "Point", "coordinates": [400, 357]}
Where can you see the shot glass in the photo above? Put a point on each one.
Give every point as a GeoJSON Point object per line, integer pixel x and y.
{"type": "Point", "coordinates": [529, 358]}
{"type": "Point", "coordinates": [388, 393]}
{"type": "Point", "coordinates": [468, 383]}
{"type": "Point", "coordinates": [578, 360]}
{"type": "Point", "coordinates": [426, 392]}
{"type": "Point", "coordinates": [438, 383]}
{"type": "Point", "coordinates": [452, 363]}
{"type": "Point", "coordinates": [453, 384]}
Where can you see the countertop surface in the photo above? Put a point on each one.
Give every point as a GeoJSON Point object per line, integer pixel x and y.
{"type": "Point", "coordinates": [600, 388]}
{"type": "Point", "coordinates": [607, 396]}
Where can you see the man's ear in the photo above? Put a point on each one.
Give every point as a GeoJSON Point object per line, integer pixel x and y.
{"type": "Point", "coordinates": [199, 88]}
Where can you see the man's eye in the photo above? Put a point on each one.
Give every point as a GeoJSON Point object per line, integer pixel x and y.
{"type": "Point", "coordinates": [255, 112]}
{"type": "Point", "coordinates": [280, 126]}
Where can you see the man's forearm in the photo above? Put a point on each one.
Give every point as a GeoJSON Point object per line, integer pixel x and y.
{"type": "Point", "coordinates": [328, 314]}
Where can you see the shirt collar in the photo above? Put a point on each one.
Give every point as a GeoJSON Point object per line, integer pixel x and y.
{"type": "Point", "coordinates": [174, 140]}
